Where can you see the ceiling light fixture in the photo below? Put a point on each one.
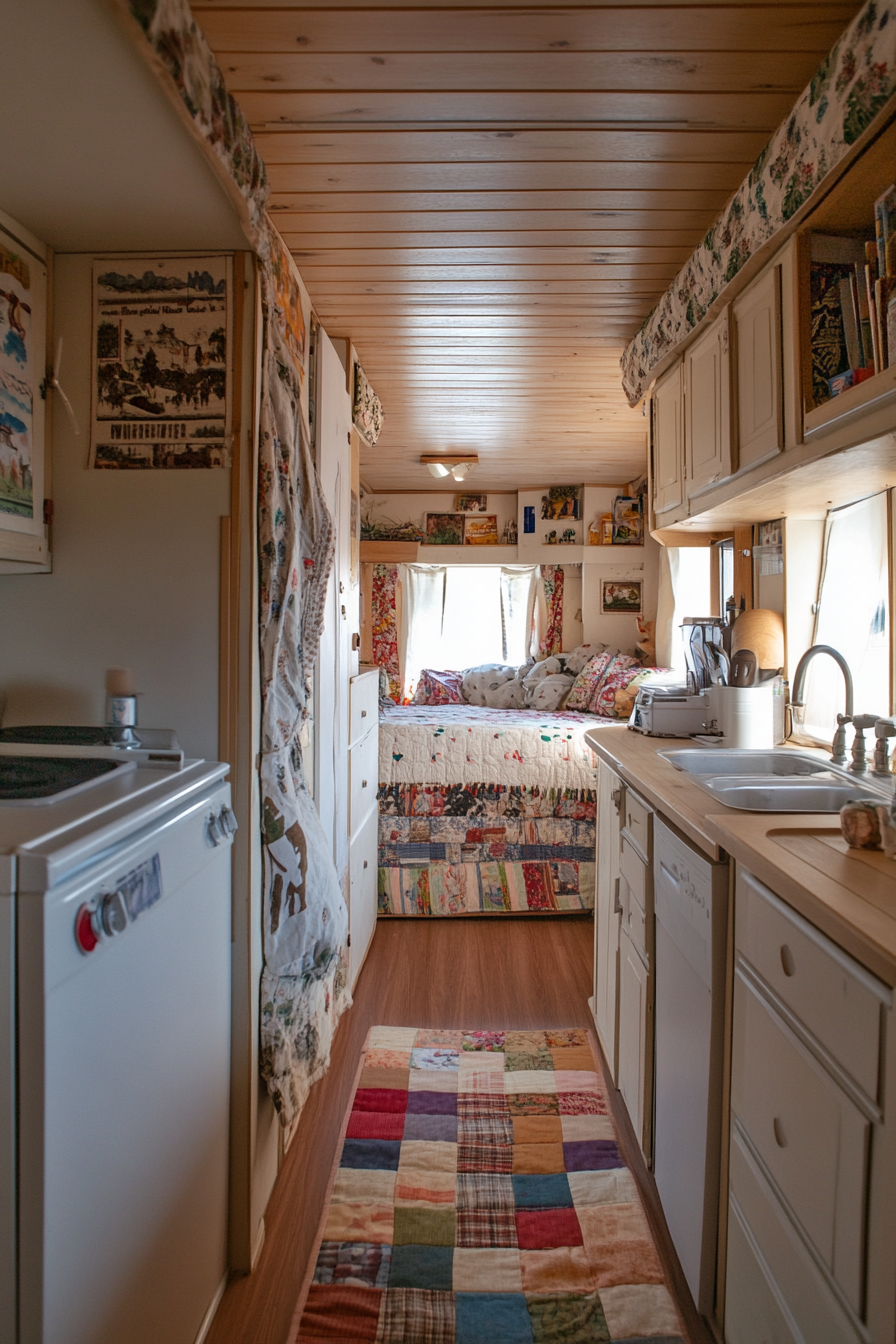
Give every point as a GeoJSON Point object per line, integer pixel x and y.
{"type": "Point", "coordinates": [449, 464]}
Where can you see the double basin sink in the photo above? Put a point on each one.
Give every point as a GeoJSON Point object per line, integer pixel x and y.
{"type": "Point", "coordinates": [776, 781]}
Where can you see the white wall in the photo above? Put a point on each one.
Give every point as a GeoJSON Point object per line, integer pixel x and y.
{"type": "Point", "coordinates": [135, 579]}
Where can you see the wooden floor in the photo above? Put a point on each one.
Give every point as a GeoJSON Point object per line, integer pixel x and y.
{"type": "Point", "coordinates": [477, 973]}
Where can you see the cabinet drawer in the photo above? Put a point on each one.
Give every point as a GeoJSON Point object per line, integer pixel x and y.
{"type": "Point", "coordinates": [363, 769]}
{"type": "Point", "coordinates": [363, 704]}
{"type": "Point", "coordinates": [635, 872]}
{"type": "Point", "coordinates": [832, 995]}
{"type": "Point", "coordinates": [636, 822]}
{"type": "Point", "coordinates": [772, 1282]}
{"type": "Point", "coordinates": [811, 1137]}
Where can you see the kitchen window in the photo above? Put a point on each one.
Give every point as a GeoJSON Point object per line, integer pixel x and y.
{"type": "Point", "coordinates": [852, 616]}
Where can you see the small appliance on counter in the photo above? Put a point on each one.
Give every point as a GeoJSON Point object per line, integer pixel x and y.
{"type": "Point", "coordinates": [669, 711]}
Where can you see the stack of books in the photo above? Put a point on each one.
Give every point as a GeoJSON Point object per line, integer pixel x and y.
{"type": "Point", "coordinates": [853, 304]}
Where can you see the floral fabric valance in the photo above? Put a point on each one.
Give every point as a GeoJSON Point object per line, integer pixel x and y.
{"type": "Point", "coordinates": [367, 409]}
{"type": "Point", "coordinates": [849, 89]}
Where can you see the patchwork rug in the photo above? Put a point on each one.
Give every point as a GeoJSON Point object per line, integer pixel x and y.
{"type": "Point", "coordinates": [481, 1198]}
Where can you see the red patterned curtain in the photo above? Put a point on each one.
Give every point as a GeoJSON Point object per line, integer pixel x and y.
{"type": "Point", "coordinates": [552, 578]}
{"type": "Point", "coordinates": [384, 625]}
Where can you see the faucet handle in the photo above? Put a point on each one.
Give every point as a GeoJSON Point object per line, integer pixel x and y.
{"type": "Point", "coordinates": [885, 728]}
{"type": "Point", "coordinates": [863, 721]}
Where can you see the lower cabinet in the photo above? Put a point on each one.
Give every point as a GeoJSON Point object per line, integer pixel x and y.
{"type": "Point", "coordinates": [811, 1251]}
{"type": "Point", "coordinates": [636, 1038]}
{"type": "Point", "coordinates": [607, 914]}
{"type": "Point", "coordinates": [363, 755]}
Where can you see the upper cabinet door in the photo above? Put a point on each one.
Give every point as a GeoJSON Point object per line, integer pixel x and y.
{"type": "Point", "coordinates": [667, 442]}
{"type": "Point", "coordinates": [707, 407]}
{"type": "Point", "coordinates": [757, 337]}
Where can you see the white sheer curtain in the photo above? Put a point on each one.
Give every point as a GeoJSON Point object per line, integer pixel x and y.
{"type": "Point", "coordinates": [684, 590]}
{"type": "Point", "coordinates": [457, 616]}
{"type": "Point", "coordinates": [853, 617]}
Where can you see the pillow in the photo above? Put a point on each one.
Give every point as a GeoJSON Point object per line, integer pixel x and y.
{"type": "Point", "coordinates": [548, 693]}
{"type": "Point", "coordinates": [587, 681]}
{"type": "Point", "coordinates": [615, 696]}
{"type": "Point", "coordinates": [575, 661]}
{"type": "Point", "coordinates": [545, 668]}
{"type": "Point", "coordinates": [480, 683]}
{"type": "Point", "coordinates": [438, 688]}
{"type": "Point", "coordinates": [509, 695]}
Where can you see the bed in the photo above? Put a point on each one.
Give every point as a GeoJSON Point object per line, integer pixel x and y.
{"type": "Point", "coordinates": [485, 811]}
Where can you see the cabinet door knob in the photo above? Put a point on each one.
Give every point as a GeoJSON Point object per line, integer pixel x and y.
{"type": "Point", "coordinates": [363, 783]}
{"type": "Point", "coordinates": [365, 863]}
{"type": "Point", "coordinates": [363, 713]}
{"type": "Point", "coordinates": [780, 1136]}
{"type": "Point", "coordinates": [788, 965]}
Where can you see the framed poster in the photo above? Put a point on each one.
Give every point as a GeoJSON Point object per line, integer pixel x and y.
{"type": "Point", "coordinates": [481, 529]}
{"type": "Point", "coordinates": [161, 388]}
{"type": "Point", "coordinates": [471, 503]}
{"type": "Point", "coordinates": [444, 529]}
{"type": "Point", "coordinates": [23, 366]}
{"type": "Point", "coordinates": [621, 595]}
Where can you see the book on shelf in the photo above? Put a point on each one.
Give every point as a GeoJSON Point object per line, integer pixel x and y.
{"type": "Point", "coordinates": [885, 232]}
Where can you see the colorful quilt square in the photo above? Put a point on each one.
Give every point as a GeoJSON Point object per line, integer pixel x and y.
{"type": "Point", "coordinates": [424, 1227]}
{"type": "Point", "coordinates": [353, 1264]}
{"type": "Point", "coordinates": [371, 1154]}
{"type": "Point", "coordinates": [642, 1311]}
{"type": "Point", "coordinates": [482, 1105]}
{"type": "Point", "coordinates": [367, 1187]}
{"type": "Point", "coordinates": [492, 1316]}
{"type": "Point", "coordinates": [539, 1129]}
{"type": "Point", "coordinates": [427, 1157]}
{"type": "Point", "coordinates": [529, 1081]}
{"type": "Point", "coordinates": [371, 1125]}
{"type": "Point", "coordinates": [619, 1245]}
{"type": "Point", "coordinates": [483, 1040]}
{"type": "Point", "coordinates": [391, 1038]}
{"type": "Point", "coordinates": [541, 1229]}
{"type": "Point", "coordinates": [360, 1222]}
{"type": "Point", "coordinates": [485, 1129]}
{"type": "Point", "coordinates": [616, 1186]}
{"type": "Point", "coordinates": [436, 1058]}
{"type": "Point", "coordinates": [594, 1156]}
{"type": "Point", "coordinates": [538, 1158]}
{"type": "Point", "coordinates": [577, 1080]}
{"type": "Point", "coordinates": [389, 1078]}
{"type": "Point", "coordinates": [422, 1266]}
{"type": "Point", "coordinates": [413, 1186]}
{"type": "Point", "coordinates": [530, 1042]}
{"type": "Point", "coordinates": [429, 1038]}
{"type": "Point", "coordinates": [485, 1270]}
{"type": "Point", "coordinates": [486, 1227]}
{"type": "Point", "coordinates": [430, 1080]}
{"type": "Point", "coordinates": [560, 1038]}
{"type": "Point", "coordinates": [435, 1128]}
{"type": "Point", "coordinates": [336, 1313]}
{"type": "Point", "coordinates": [481, 1061]}
{"type": "Point", "coordinates": [380, 1099]}
{"type": "Point", "coordinates": [484, 1190]}
{"type": "Point", "coordinates": [543, 1192]}
{"type": "Point", "coordinates": [581, 1103]}
{"type": "Point", "coordinates": [484, 1157]}
{"type": "Point", "coordinates": [575, 1318]}
{"type": "Point", "coordinates": [388, 1059]}
{"type": "Point", "coordinates": [472, 1081]}
{"type": "Point", "coordinates": [580, 1128]}
{"type": "Point", "coordinates": [525, 1059]}
{"type": "Point", "coordinates": [416, 1316]}
{"type": "Point", "coordinates": [573, 1057]}
{"type": "Point", "coordinates": [533, 1103]}
{"type": "Point", "coordinates": [432, 1103]}
{"type": "Point", "coordinates": [560, 1269]}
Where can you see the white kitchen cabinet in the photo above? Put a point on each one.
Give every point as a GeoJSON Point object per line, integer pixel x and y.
{"type": "Point", "coordinates": [607, 914]}
{"type": "Point", "coordinates": [668, 442]}
{"type": "Point", "coordinates": [635, 1037]}
{"type": "Point", "coordinates": [707, 407]}
{"type": "Point", "coordinates": [811, 1252]}
{"type": "Point", "coordinates": [756, 322]}
{"type": "Point", "coordinates": [363, 811]}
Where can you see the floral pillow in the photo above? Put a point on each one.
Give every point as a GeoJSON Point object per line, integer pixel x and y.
{"type": "Point", "coordinates": [615, 695]}
{"type": "Point", "coordinates": [588, 680]}
{"type": "Point", "coordinates": [438, 688]}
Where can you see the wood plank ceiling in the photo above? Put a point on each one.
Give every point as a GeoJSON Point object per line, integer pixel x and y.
{"type": "Point", "coordinates": [489, 199]}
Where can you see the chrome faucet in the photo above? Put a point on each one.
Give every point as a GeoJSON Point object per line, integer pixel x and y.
{"type": "Point", "coordinates": [797, 698]}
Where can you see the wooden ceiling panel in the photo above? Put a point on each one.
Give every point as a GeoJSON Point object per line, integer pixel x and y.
{"type": "Point", "coordinates": [489, 199]}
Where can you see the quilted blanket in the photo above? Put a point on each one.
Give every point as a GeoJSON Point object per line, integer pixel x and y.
{"type": "Point", "coordinates": [485, 811]}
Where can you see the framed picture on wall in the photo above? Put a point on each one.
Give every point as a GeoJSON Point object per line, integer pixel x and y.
{"type": "Point", "coordinates": [481, 530]}
{"type": "Point", "coordinates": [23, 368]}
{"type": "Point", "coordinates": [471, 503]}
{"type": "Point", "coordinates": [444, 529]}
{"type": "Point", "coordinates": [621, 596]}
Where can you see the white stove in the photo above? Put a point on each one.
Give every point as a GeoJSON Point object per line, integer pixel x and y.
{"type": "Point", "coordinates": [114, 1044]}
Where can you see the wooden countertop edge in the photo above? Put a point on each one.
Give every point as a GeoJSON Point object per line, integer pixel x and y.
{"type": "Point", "coordinates": [863, 930]}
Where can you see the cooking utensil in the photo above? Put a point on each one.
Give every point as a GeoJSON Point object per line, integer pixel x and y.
{"type": "Point", "coordinates": [744, 668]}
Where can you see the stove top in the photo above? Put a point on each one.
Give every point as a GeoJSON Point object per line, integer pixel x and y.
{"type": "Point", "coordinates": [153, 746]}
{"type": "Point", "coordinates": [26, 779]}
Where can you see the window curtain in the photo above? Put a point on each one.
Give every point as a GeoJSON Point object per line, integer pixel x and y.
{"type": "Point", "coordinates": [551, 639]}
{"type": "Point", "coordinates": [420, 638]}
{"type": "Point", "coordinates": [683, 590]}
{"type": "Point", "coordinates": [519, 585]}
{"type": "Point", "coordinates": [853, 618]}
{"type": "Point", "coordinates": [384, 625]}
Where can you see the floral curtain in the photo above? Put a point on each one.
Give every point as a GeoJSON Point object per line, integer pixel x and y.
{"type": "Point", "coordinates": [851, 86]}
{"type": "Point", "coordinates": [305, 922]}
{"type": "Point", "coordinates": [552, 640]}
{"type": "Point", "coordinates": [384, 625]}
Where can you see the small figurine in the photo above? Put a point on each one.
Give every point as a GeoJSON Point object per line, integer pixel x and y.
{"type": "Point", "coordinates": [569, 536]}
{"type": "Point", "coordinates": [887, 821]}
{"type": "Point", "coordinates": [860, 824]}
{"type": "Point", "coordinates": [551, 539]}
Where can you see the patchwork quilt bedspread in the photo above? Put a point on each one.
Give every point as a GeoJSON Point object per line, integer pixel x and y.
{"type": "Point", "coordinates": [485, 811]}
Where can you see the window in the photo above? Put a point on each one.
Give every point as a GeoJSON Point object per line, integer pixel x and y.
{"type": "Point", "coordinates": [684, 590]}
{"type": "Point", "coordinates": [457, 616]}
{"type": "Point", "coordinates": [852, 617]}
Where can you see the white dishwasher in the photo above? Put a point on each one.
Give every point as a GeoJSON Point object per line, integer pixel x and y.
{"type": "Point", "coordinates": [691, 903]}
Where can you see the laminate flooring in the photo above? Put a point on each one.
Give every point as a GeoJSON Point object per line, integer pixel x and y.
{"type": "Point", "coordinates": [524, 973]}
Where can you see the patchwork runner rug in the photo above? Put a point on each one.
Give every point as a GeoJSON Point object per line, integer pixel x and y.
{"type": "Point", "coordinates": [481, 1198]}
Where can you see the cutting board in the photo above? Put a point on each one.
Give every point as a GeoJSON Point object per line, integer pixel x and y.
{"type": "Point", "coordinates": [761, 630]}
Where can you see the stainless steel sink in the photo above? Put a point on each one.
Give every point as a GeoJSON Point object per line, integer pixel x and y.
{"type": "Point", "coordinates": [728, 761]}
{"type": "Point", "coordinates": [775, 781]}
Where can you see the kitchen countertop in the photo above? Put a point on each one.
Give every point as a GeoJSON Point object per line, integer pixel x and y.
{"type": "Point", "coordinates": [849, 894]}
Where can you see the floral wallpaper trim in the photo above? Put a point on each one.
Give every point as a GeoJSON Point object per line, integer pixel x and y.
{"type": "Point", "coordinates": [367, 409]}
{"type": "Point", "coordinates": [852, 85]}
{"type": "Point", "coordinates": [304, 985]}
{"type": "Point", "coordinates": [552, 578]}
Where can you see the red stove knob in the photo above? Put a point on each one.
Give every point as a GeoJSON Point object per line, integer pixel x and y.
{"type": "Point", "coordinates": [85, 931]}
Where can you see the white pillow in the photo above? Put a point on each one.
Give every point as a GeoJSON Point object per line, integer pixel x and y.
{"type": "Point", "coordinates": [545, 668]}
{"type": "Point", "coordinates": [480, 683]}
{"type": "Point", "coordinates": [576, 660]}
{"type": "Point", "coordinates": [509, 695]}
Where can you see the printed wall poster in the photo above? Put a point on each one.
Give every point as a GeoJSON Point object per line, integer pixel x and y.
{"type": "Point", "coordinates": [444, 529]}
{"type": "Point", "coordinates": [23, 300]}
{"type": "Point", "coordinates": [162, 368]}
{"type": "Point", "coordinates": [481, 530]}
{"type": "Point", "coordinates": [621, 595]}
{"type": "Point", "coordinates": [561, 501]}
